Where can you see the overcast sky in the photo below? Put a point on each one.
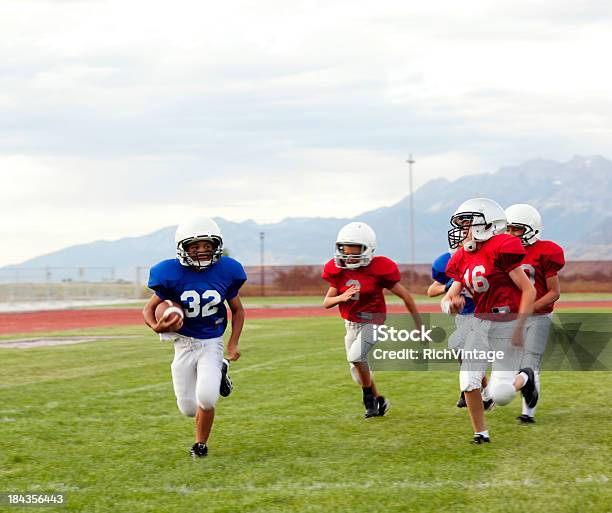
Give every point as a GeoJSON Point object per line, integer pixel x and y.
{"type": "Point", "coordinates": [121, 117]}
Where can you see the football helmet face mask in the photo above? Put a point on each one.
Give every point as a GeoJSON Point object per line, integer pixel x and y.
{"type": "Point", "coordinates": [195, 230]}
{"type": "Point", "coordinates": [477, 218]}
{"type": "Point", "coordinates": [528, 218]}
{"type": "Point", "coordinates": [355, 234]}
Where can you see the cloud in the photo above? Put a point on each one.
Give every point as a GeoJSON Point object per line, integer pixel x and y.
{"type": "Point", "coordinates": [115, 116]}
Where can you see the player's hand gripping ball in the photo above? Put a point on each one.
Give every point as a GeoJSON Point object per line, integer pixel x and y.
{"type": "Point", "coordinates": [169, 314]}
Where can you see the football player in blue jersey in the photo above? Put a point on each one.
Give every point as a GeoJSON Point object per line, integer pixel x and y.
{"type": "Point", "coordinates": [463, 320]}
{"type": "Point", "coordinates": [201, 280]}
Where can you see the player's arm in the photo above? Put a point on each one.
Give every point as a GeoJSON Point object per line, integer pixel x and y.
{"type": "Point", "coordinates": [168, 324]}
{"type": "Point", "coordinates": [402, 292]}
{"type": "Point", "coordinates": [238, 315]}
{"type": "Point", "coordinates": [453, 302]}
{"type": "Point", "coordinates": [528, 295]}
{"type": "Point", "coordinates": [553, 293]}
{"type": "Point", "coordinates": [332, 298]}
{"type": "Point", "coordinates": [435, 289]}
{"type": "Point", "coordinates": [528, 292]}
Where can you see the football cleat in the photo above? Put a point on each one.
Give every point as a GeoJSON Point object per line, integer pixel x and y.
{"type": "Point", "coordinates": [371, 406]}
{"type": "Point", "coordinates": [226, 383]}
{"type": "Point", "coordinates": [461, 401]}
{"type": "Point", "coordinates": [525, 419]}
{"type": "Point", "coordinates": [198, 450]}
{"type": "Point", "coordinates": [488, 405]}
{"type": "Point", "coordinates": [480, 439]}
{"type": "Point", "coordinates": [529, 390]}
{"type": "Point", "coordinates": [383, 405]}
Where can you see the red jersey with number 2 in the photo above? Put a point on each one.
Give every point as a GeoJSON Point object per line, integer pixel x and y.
{"type": "Point", "coordinates": [544, 259]}
{"type": "Point", "coordinates": [368, 305]}
{"type": "Point", "coordinates": [485, 273]}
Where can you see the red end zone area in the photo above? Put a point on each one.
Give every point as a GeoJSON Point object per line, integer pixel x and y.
{"type": "Point", "coordinates": [60, 320]}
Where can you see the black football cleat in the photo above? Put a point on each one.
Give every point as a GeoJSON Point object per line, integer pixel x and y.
{"type": "Point", "coordinates": [371, 406]}
{"type": "Point", "coordinates": [529, 390]}
{"type": "Point", "coordinates": [226, 383]}
{"type": "Point", "coordinates": [383, 405]}
{"type": "Point", "coordinates": [525, 419]}
{"type": "Point", "coordinates": [488, 404]}
{"type": "Point", "coordinates": [198, 450]}
{"type": "Point", "coordinates": [480, 439]}
{"type": "Point", "coordinates": [461, 401]}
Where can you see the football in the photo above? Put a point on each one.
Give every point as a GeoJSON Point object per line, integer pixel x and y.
{"type": "Point", "coordinates": [168, 308]}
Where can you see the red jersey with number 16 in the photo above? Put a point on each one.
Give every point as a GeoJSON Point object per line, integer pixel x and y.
{"type": "Point", "coordinates": [544, 260]}
{"type": "Point", "coordinates": [368, 305]}
{"type": "Point", "coordinates": [485, 274]}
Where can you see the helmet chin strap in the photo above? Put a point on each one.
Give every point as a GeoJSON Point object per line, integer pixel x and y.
{"type": "Point", "coordinates": [470, 246]}
{"type": "Point", "coordinates": [202, 264]}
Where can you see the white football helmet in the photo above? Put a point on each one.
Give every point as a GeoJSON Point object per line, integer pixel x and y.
{"type": "Point", "coordinates": [484, 216]}
{"type": "Point", "coordinates": [355, 234]}
{"type": "Point", "coordinates": [525, 216]}
{"type": "Point", "coordinates": [193, 230]}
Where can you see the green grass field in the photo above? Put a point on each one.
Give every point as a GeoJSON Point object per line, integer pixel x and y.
{"type": "Point", "coordinates": [99, 422]}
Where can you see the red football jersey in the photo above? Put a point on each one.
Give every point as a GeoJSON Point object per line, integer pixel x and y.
{"type": "Point", "coordinates": [368, 305]}
{"type": "Point", "coordinates": [485, 274]}
{"type": "Point", "coordinates": [544, 259]}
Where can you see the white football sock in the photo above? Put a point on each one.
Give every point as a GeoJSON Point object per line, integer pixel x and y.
{"type": "Point", "coordinates": [483, 433]}
{"type": "Point", "coordinates": [530, 412]}
{"type": "Point", "coordinates": [526, 409]}
{"type": "Point", "coordinates": [486, 395]}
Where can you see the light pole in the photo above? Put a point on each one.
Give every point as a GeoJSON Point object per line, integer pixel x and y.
{"type": "Point", "coordinates": [261, 261]}
{"type": "Point", "coordinates": [410, 162]}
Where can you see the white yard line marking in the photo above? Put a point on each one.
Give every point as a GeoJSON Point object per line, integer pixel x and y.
{"type": "Point", "coordinates": [368, 485]}
{"type": "Point", "coordinates": [27, 343]}
{"type": "Point", "coordinates": [347, 485]}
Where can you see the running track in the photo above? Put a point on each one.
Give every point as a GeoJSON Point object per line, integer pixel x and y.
{"type": "Point", "coordinates": [60, 320]}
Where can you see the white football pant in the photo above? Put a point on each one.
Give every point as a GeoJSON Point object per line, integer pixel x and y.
{"type": "Point", "coordinates": [537, 329]}
{"type": "Point", "coordinates": [463, 324]}
{"type": "Point", "coordinates": [489, 335]}
{"type": "Point", "coordinates": [356, 344]}
{"type": "Point", "coordinates": [356, 348]}
{"type": "Point", "coordinates": [196, 372]}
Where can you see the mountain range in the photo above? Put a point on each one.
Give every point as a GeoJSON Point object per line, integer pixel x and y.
{"type": "Point", "coordinates": [573, 197]}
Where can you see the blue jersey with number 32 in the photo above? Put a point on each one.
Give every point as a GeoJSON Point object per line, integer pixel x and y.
{"type": "Point", "coordinates": [201, 293]}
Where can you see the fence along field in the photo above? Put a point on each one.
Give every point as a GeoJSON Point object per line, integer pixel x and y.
{"type": "Point", "coordinates": [110, 283]}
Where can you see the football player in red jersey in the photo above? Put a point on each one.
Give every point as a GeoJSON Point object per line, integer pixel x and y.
{"type": "Point", "coordinates": [357, 280]}
{"type": "Point", "coordinates": [487, 263]}
{"type": "Point", "coordinates": [544, 259]}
